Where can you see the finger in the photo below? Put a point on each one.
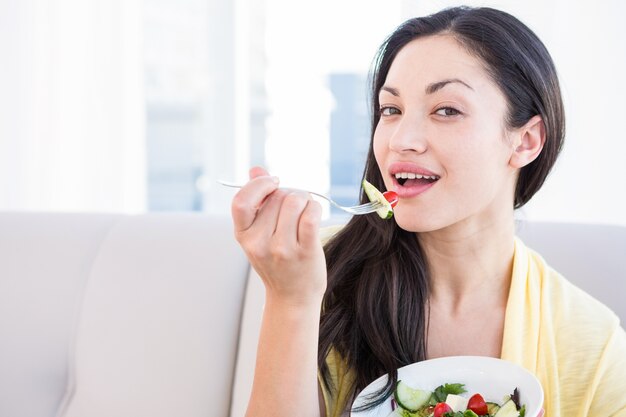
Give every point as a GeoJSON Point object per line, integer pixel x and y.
{"type": "Point", "coordinates": [249, 200]}
{"type": "Point", "coordinates": [290, 211]}
{"type": "Point", "coordinates": [257, 172]}
{"type": "Point", "coordinates": [308, 227]}
{"type": "Point", "coordinates": [266, 220]}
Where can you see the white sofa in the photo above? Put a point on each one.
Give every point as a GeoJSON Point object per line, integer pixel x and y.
{"type": "Point", "coordinates": [154, 315]}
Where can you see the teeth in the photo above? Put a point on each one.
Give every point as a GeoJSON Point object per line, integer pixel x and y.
{"type": "Point", "coordinates": [411, 175]}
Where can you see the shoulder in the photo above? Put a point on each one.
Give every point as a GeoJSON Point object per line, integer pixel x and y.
{"type": "Point", "coordinates": [567, 302]}
{"type": "Point", "coordinates": [580, 322]}
{"type": "Point", "coordinates": [581, 338]}
{"type": "Point", "coordinates": [569, 319]}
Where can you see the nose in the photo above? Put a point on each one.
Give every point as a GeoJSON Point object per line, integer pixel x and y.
{"type": "Point", "coordinates": [408, 136]}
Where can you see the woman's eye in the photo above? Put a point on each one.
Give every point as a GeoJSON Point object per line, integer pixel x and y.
{"type": "Point", "coordinates": [447, 111]}
{"type": "Point", "coordinates": [388, 111]}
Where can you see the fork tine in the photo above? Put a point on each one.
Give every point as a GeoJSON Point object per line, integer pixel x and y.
{"type": "Point", "coordinates": [365, 208]}
{"type": "Point", "coordinates": [358, 209]}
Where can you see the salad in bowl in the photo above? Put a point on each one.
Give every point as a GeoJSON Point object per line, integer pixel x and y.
{"type": "Point", "coordinates": [456, 386]}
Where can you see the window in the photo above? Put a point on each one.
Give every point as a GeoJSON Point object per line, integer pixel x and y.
{"type": "Point", "coordinates": [131, 106]}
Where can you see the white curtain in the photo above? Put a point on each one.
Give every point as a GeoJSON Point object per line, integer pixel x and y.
{"type": "Point", "coordinates": [72, 106]}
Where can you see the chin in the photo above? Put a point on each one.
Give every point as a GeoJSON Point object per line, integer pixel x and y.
{"type": "Point", "coordinates": [412, 222]}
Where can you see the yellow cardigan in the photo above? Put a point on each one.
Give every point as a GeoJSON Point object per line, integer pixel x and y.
{"type": "Point", "coordinates": [570, 341]}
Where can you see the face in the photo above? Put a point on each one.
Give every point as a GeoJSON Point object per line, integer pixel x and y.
{"type": "Point", "coordinates": [441, 142]}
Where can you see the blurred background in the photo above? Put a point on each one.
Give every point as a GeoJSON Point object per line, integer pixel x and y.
{"type": "Point", "coordinates": [141, 105]}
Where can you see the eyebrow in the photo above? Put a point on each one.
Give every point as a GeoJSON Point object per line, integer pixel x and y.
{"type": "Point", "coordinates": [434, 87]}
{"type": "Point", "coordinates": [431, 88]}
{"type": "Point", "coordinates": [393, 91]}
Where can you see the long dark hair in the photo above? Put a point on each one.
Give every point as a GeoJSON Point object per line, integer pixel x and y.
{"type": "Point", "coordinates": [375, 308]}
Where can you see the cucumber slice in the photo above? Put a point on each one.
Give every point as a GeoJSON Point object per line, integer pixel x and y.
{"type": "Point", "coordinates": [386, 211]}
{"type": "Point", "coordinates": [492, 408]}
{"type": "Point", "coordinates": [410, 399]}
{"type": "Point", "coordinates": [508, 409]}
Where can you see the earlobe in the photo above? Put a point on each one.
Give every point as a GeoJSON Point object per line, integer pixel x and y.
{"type": "Point", "coordinates": [528, 142]}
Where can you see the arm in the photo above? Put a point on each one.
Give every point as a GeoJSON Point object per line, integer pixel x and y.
{"type": "Point", "coordinates": [279, 233]}
{"type": "Point", "coordinates": [285, 378]}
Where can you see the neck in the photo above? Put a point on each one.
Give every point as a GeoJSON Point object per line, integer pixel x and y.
{"type": "Point", "coordinates": [470, 262]}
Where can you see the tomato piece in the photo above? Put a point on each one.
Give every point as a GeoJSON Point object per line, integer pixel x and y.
{"type": "Point", "coordinates": [392, 197]}
{"type": "Point", "coordinates": [441, 409]}
{"type": "Point", "coordinates": [477, 404]}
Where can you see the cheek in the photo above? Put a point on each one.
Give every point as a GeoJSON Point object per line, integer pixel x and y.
{"type": "Point", "coordinates": [380, 148]}
{"type": "Point", "coordinates": [483, 147]}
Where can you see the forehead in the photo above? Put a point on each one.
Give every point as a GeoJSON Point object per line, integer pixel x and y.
{"type": "Point", "coordinates": [432, 58]}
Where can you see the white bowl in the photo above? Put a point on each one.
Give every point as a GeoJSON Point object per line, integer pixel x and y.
{"type": "Point", "coordinates": [492, 378]}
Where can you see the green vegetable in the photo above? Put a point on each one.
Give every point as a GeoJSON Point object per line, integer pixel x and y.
{"type": "Point", "coordinates": [400, 412]}
{"type": "Point", "coordinates": [385, 211]}
{"type": "Point", "coordinates": [442, 391]}
{"type": "Point", "coordinates": [410, 399]}
{"type": "Point", "coordinates": [466, 413]}
{"type": "Point", "coordinates": [492, 408]}
{"type": "Point", "coordinates": [508, 409]}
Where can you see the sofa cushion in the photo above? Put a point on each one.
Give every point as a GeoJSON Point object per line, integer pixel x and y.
{"type": "Point", "coordinates": [45, 260]}
{"type": "Point", "coordinates": [159, 326]}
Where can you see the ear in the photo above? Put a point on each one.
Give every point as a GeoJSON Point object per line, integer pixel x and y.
{"type": "Point", "coordinates": [528, 142]}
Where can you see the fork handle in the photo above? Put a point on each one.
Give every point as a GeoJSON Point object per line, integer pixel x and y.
{"type": "Point", "coordinates": [233, 185]}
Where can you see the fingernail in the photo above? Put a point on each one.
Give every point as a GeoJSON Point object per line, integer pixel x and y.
{"type": "Point", "coordinates": [276, 180]}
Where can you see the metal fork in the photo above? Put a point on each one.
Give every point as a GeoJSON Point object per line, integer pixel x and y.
{"type": "Point", "coordinates": [356, 210]}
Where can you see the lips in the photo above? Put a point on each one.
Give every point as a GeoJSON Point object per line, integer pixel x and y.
{"type": "Point", "coordinates": [411, 179]}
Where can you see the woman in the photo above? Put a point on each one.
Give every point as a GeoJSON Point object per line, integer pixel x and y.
{"type": "Point", "coordinates": [467, 123]}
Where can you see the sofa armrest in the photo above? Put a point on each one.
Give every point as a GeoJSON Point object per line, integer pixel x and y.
{"type": "Point", "coordinates": [248, 342]}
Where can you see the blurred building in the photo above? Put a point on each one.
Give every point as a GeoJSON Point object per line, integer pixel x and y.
{"type": "Point", "coordinates": [349, 136]}
{"type": "Point", "coordinates": [176, 60]}
{"type": "Point", "coordinates": [205, 99]}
